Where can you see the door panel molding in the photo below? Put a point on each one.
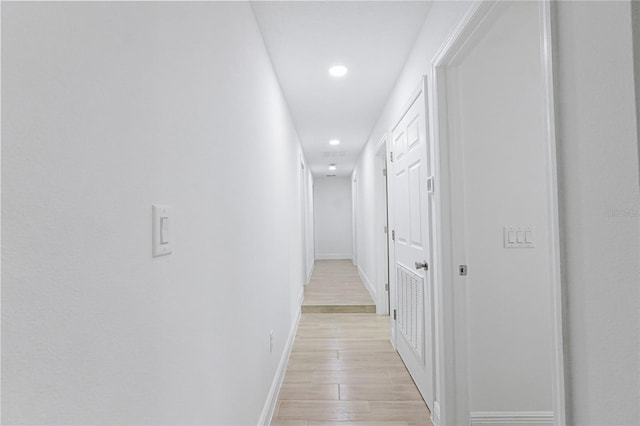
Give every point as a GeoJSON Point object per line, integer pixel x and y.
{"type": "Point", "coordinates": [411, 218]}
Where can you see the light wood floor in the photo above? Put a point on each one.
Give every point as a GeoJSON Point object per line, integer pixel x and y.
{"type": "Point", "coordinates": [335, 286]}
{"type": "Point", "coordinates": [344, 371]}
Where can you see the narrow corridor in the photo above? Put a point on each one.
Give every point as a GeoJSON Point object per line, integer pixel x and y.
{"type": "Point", "coordinates": [343, 369]}
{"type": "Point", "coordinates": [335, 286]}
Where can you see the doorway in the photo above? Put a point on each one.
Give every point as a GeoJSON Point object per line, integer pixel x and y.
{"type": "Point", "coordinates": [500, 319]}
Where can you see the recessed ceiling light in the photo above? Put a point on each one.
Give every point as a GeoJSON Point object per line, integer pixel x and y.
{"type": "Point", "coordinates": [334, 142]}
{"type": "Point", "coordinates": [338, 71]}
{"type": "Point", "coordinates": [332, 167]}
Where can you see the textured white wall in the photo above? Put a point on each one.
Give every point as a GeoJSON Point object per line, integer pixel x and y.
{"type": "Point", "coordinates": [108, 108]}
{"type": "Point", "coordinates": [599, 202]}
{"type": "Point", "coordinates": [332, 204]}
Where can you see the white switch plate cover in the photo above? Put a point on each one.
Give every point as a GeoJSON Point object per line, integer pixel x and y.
{"type": "Point", "coordinates": [519, 236]}
{"type": "Point", "coordinates": [161, 215]}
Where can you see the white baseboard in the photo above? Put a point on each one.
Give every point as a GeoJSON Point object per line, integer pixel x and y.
{"type": "Point", "coordinates": [272, 396]}
{"type": "Point", "coordinates": [310, 274]}
{"type": "Point", "coordinates": [334, 256]}
{"type": "Point", "coordinates": [435, 416]}
{"type": "Point", "coordinates": [369, 285]}
{"type": "Point", "coordinates": [511, 418]}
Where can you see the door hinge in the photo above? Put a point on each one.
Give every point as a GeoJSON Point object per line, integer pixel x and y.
{"type": "Point", "coordinates": [384, 172]}
{"type": "Point", "coordinates": [386, 286]}
{"type": "Point", "coordinates": [391, 156]}
{"type": "Point", "coordinates": [385, 229]}
{"type": "Point", "coordinates": [393, 235]}
{"type": "Point", "coordinates": [463, 270]}
{"type": "Point", "coordinates": [394, 314]}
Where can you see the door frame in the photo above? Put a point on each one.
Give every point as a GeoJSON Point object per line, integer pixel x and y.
{"type": "Point", "coordinates": [393, 289]}
{"type": "Point", "coordinates": [354, 219]}
{"type": "Point", "coordinates": [451, 296]}
{"type": "Point", "coordinates": [382, 220]}
{"type": "Point", "coordinates": [303, 219]}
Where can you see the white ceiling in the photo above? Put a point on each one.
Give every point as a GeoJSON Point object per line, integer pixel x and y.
{"type": "Point", "coordinates": [305, 38]}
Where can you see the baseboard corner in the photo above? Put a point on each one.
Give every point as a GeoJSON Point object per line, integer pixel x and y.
{"type": "Point", "coordinates": [368, 285]}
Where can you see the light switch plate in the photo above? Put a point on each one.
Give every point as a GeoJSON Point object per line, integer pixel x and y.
{"type": "Point", "coordinates": [519, 236]}
{"type": "Point", "coordinates": [161, 222]}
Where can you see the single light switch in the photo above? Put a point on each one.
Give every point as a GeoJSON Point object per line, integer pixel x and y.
{"type": "Point", "coordinates": [512, 237]}
{"type": "Point", "coordinates": [520, 237]}
{"type": "Point", "coordinates": [160, 226]}
{"type": "Point", "coordinates": [164, 230]}
{"type": "Point", "coordinates": [528, 237]}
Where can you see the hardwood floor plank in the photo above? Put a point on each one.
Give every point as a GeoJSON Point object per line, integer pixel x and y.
{"type": "Point", "coordinates": [324, 410]}
{"type": "Point", "coordinates": [314, 355]}
{"type": "Point", "coordinates": [365, 423]}
{"type": "Point", "coordinates": [334, 364]}
{"type": "Point", "coordinates": [377, 392]}
{"type": "Point", "coordinates": [282, 422]}
{"type": "Point", "coordinates": [414, 412]}
{"type": "Point", "coordinates": [308, 391]}
{"type": "Point", "coordinates": [350, 377]}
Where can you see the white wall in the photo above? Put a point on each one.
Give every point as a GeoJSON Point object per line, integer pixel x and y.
{"type": "Point", "coordinates": [598, 189]}
{"type": "Point", "coordinates": [107, 109]}
{"type": "Point", "coordinates": [332, 215]}
{"type": "Point", "coordinates": [441, 19]}
{"type": "Point", "coordinates": [599, 201]}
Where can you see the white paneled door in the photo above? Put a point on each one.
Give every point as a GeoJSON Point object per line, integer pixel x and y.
{"type": "Point", "coordinates": [411, 215]}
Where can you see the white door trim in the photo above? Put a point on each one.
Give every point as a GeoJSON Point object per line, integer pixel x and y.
{"type": "Point", "coordinates": [392, 250]}
{"type": "Point", "coordinates": [559, 403]}
{"type": "Point", "coordinates": [450, 336]}
{"type": "Point", "coordinates": [354, 218]}
{"type": "Point", "coordinates": [381, 220]}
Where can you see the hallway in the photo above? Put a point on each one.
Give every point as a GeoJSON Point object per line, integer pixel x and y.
{"type": "Point", "coordinates": [180, 180]}
{"type": "Point", "coordinates": [343, 369]}
{"type": "Point", "coordinates": [336, 287]}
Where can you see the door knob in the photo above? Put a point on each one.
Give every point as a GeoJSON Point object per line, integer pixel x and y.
{"type": "Point", "coordinates": [424, 265]}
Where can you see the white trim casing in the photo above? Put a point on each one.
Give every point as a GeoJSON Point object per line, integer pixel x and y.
{"type": "Point", "coordinates": [452, 408]}
{"type": "Point", "coordinates": [381, 221]}
{"type": "Point", "coordinates": [559, 404]}
{"type": "Point", "coordinates": [391, 247]}
{"type": "Point", "coordinates": [272, 397]}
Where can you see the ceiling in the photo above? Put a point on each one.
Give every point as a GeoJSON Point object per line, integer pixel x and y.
{"type": "Point", "coordinates": [305, 38]}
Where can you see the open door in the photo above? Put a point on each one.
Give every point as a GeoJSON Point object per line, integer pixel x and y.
{"type": "Point", "coordinates": [410, 173]}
